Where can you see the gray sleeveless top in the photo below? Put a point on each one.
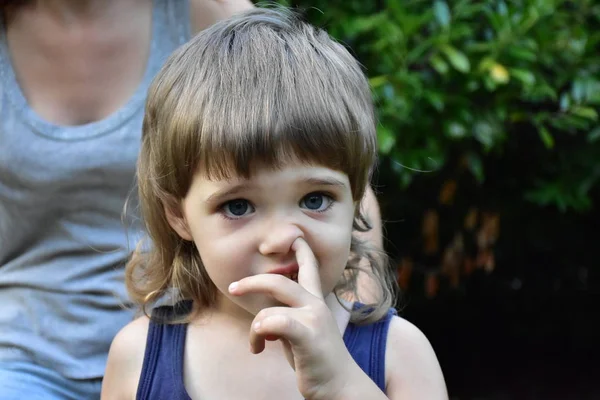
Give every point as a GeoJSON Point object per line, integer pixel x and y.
{"type": "Point", "coordinates": [62, 242]}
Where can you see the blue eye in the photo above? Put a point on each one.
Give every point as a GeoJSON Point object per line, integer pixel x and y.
{"type": "Point", "coordinates": [319, 202]}
{"type": "Point", "coordinates": [237, 208]}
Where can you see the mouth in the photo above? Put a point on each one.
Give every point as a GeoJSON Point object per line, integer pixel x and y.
{"type": "Point", "coordinates": [293, 276]}
{"type": "Point", "coordinates": [290, 272]}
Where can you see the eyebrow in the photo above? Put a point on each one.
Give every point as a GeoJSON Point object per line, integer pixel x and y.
{"type": "Point", "coordinates": [328, 181]}
{"type": "Point", "coordinates": [220, 195]}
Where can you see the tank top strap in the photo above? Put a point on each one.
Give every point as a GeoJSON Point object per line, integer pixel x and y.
{"type": "Point", "coordinates": [172, 18]}
{"type": "Point", "coordinates": [367, 345]}
{"type": "Point", "coordinates": [162, 370]}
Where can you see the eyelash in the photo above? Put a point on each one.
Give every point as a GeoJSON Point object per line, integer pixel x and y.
{"type": "Point", "coordinates": [328, 195]}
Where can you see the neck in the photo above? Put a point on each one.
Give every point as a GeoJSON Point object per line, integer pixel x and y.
{"type": "Point", "coordinates": [71, 11]}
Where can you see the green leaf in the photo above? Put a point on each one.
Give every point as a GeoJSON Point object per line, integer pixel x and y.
{"type": "Point", "coordinates": [435, 99]}
{"type": "Point", "coordinates": [489, 83]}
{"type": "Point", "coordinates": [442, 13]}
{"type": "Point", "coordinates": [364, 24]}
{"type": "Point", "coordinates": [378, 81]}
{"type": "Point", "coordinates": [386, 139]}
{"type": "Point", "coordinates": [458, 59]}
{"type": "Point", "coordinates": [486, 64]}
{"type": "Point", "coordinates": [461, 32]}
{"type": "Point", "coordinates": [540, 92]}
{"type": "Point", "coordinates": [438, 64]}
{"type": "Point", "coordinates": [578, 90]}
{"type": "Point", "coordinates": [466, 9]}
{"type": "Point", "coordinates": [476, 167]}
{"type": "Point", "coordinates": [561, 193]}
{"type": "Point", "coordinates": [456, 130]}
{"type": "Point", "coordinates": [484, 133]}
{"type": "Point", "coordinates": [565, 102]}
{"type": "Point", "coordinates": [411, 23]}
{"type": "Point", "coordinates": [522, 54]}
{"type": "Point", "coordinates": [518, 116]}
{"type": "Point", "coordinates": [472, 85]}
{"type": "Point", "coordinates": [546, 137]}
{"type": "Point", "coordinates": [526, 77]}
{"type": "Point", "coordinates": [502, 9]}
{"type": "Point", "coordinates": [594, 135]}
{"type": "Point", "coordinates": [416, 53]}
{"type": "Point", "coordinates": [584, 112]}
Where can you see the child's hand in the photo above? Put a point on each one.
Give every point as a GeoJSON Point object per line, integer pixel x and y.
{"type": "Point", "coordinates": [313, 343]}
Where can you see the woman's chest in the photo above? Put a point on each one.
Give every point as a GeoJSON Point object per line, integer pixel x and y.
{"type": "Point", "coordinates": [81, 73]}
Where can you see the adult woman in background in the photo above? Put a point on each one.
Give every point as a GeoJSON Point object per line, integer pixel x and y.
{"type": "Point", "coordinates": [73, 80]}
{"type": "Point", "coordinates": [74, 75]}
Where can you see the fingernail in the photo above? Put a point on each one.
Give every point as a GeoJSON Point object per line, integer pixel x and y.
{"type": "Point", "coordinates": [256, 326]}
{"type": "Point", "coordinates": [233, 286]}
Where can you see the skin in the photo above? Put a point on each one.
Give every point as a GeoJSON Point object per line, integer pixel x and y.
{"type": "Point", "coordinates": [78, 61]}
{"type": "Point", "coordinates": [294, 328]}
{"type": "Point", "coordinates": [234, 247]}
{"type": "Point", "coordinates": [86, 58]}
{"type": "Point", "coordinates": [104, 45]}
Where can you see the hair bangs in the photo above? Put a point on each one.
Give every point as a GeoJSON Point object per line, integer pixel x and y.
{"type": "Point", "coordinates": [288, 101]}
{"type": "Point", "coordinates": [258, 90]}
{"type": "Point", "coordinates": [271, 137]}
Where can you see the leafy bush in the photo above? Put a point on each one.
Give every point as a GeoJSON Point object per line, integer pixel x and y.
{"type": "Point", "coordinates": [462, 78]}
{"type": "Point", "coordinates": [498, 102]}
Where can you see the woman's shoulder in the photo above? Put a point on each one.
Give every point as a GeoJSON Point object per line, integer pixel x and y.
{"type": "Point", "coordinates": [125, 360]}
{"type": "Point", "coordinates": [204, 13]}
{"type": "Point", "coordinates": [412, 368]}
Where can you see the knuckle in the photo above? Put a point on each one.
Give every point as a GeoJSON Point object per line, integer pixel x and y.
{"type": "Point", "coordinates": [262, 314]}
{"type": "Point", "coordinates": [283, 322]}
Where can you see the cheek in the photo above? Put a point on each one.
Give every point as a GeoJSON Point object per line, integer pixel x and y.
{"type": "Point", "coordinates": [332, 249]}
{"type": "Point", "coordinates": [226, 257]}
{"type": "Point", "coordinates": [332, 240]}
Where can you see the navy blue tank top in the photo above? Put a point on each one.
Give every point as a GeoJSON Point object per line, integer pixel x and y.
{"type": "Point", "coordinates": [162, 371]}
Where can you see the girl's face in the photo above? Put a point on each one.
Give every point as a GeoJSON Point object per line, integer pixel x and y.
{"type": "Point", "coordinates": [245, 227]}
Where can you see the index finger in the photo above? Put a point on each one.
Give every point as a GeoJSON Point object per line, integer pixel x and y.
{"type": "Point", "coordinates": [308, 268]}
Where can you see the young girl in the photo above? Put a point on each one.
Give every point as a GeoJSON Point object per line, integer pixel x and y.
{"type": "Point", "coordinates": [258, 142]}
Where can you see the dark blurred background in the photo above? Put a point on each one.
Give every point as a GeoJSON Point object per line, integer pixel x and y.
{"type": "Point", "coordinates": [488, 181]}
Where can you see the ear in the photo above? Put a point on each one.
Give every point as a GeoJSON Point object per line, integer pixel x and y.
{"type": "Point", "coordinates": [176, 219]}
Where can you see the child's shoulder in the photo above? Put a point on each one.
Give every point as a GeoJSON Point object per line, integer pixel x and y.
{"type": "Point", "coordinates": [125, 360]}
{"type": "Point", "coordinates": [131, 339]}
{"type": "Point", "coordinates": [412, 367]}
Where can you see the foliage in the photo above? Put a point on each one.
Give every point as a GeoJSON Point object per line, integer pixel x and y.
{"type": "Point", "coordinates": [498, 100]}
{"type": "Point", "coordinates": [463, 78]}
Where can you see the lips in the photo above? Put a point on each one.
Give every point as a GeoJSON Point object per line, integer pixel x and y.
{"type": "Point", "coordinates": [293, 276]}
{"type": "Point", "coordinates": [289, 271]}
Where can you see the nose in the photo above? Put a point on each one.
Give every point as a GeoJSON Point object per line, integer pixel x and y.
{"type": "Point", "coordinates": [279, 237]}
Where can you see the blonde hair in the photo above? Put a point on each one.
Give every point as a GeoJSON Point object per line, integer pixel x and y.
{"type": "Point", "coordinates": [254, 90]}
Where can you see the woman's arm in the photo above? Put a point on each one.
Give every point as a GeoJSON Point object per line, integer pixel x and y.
{"type": "Point", "coordinates": [204, 13]}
